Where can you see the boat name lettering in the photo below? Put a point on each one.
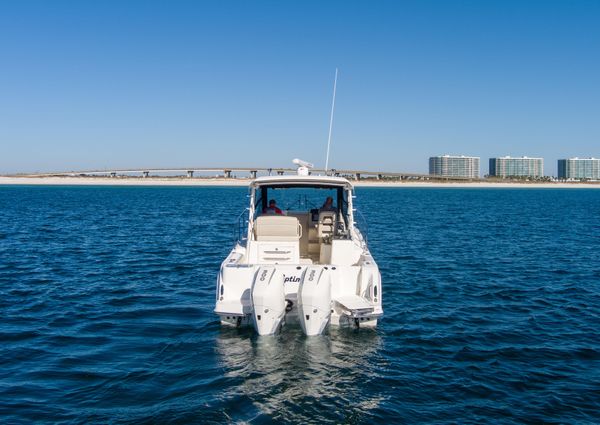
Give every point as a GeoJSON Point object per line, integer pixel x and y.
{"type": "Point", "coordinates": [291, 279]}
{"type": "Point", "coordinates": [311, 276]}
{"type": "Point", "coordinates": [263, 276]}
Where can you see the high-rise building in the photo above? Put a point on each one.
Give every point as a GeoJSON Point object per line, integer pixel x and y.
{"type": "Point", "coordinates": [516, 167]}
{"type": "Point", "coordinates": [579, 168]}
{"type": "Point", "coordinates": [454, 166]}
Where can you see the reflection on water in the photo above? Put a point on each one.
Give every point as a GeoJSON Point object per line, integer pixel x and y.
{"type": "Point", "coordinates": [289, 375]}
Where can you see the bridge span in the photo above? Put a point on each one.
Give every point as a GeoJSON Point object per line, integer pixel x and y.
{"type": "Point", "coordinates": [252, 172]}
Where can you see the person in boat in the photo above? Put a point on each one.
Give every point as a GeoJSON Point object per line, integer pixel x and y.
{"type": "Point", "coordinates": [327, 205]}
{"type": "Point", "coordinates": [272, 208]}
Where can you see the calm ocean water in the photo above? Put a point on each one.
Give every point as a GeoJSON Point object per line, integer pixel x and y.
{"type": "Point", "coordinates": [491, 299]}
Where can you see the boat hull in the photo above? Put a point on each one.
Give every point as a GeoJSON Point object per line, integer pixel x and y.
{"type": "Point", "coordinates": [346, 296]}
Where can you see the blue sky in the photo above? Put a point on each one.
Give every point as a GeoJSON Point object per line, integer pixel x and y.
{"type": "Point", "coordinates": [212, 83]}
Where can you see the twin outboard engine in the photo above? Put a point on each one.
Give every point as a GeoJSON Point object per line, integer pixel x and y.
{"type": "Point", "coordinates": [269, 304]}
{"type": "Point", "coordinates": [314, 300]}
{"type": "Point", "coordinates": [268, 301]}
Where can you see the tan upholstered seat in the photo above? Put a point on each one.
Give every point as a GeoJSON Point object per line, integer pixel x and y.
{"type": "Point", "coordinates": [277, 228]}
{"type": "Point", "coordinates": [326, 225]}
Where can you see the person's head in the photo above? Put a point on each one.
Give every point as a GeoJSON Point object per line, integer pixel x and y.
{"type": "Point", "coordinates": [329, 200]}
{"type": "Point", "coordinates": [272, 203]}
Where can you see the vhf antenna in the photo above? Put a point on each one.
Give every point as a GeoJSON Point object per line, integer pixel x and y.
{"type": "Point", "coordinates": [331, 121]}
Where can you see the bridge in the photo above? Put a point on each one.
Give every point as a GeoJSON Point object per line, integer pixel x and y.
{"type": "Point", "coordinates": [252, 172]}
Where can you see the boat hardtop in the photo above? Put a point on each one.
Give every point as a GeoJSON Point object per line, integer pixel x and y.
{"type": "Point", "coordinates": [299, 257]}
{"type": "Point", "coordinates": [302, 180]}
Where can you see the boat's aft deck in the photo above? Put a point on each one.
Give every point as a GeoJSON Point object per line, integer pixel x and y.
{"type": "Point", "coordinates": [297, 238]}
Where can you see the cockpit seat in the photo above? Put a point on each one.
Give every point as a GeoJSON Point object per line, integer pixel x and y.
{"type": "Point", "coordinates": [273, 228]}
{"type": "Point", "coordinates": [277, 240]}
{"type": "Point", "coordinates": [326, 226]}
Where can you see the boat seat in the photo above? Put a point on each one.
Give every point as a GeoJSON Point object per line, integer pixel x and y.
{"type": "Point", "coordinates": [326, 225]}
{"type": "Point", "coordinates": [273, 228]}
{"type": "Point", "coordinates": [277, 240]}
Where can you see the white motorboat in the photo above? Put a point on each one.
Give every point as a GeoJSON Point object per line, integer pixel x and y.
{"type": "Point", "coordinates": [305, 263]}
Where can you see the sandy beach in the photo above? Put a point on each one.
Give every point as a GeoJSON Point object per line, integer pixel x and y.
{"type": "Point", "coordinates": [182, 181]}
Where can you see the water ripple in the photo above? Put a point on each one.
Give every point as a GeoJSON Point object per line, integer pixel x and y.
{"type": "Point", "coordinates": [491, 297]}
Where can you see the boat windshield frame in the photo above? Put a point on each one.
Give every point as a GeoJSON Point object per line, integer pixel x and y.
{"type": "Point", "coordinates": [343, 188]}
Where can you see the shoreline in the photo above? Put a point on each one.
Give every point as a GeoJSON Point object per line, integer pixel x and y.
{"type": "Point", "coordinates": [233, 182]}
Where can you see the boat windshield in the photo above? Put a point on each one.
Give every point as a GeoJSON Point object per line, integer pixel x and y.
{"type": "Point", "coordinates": [301, 199]}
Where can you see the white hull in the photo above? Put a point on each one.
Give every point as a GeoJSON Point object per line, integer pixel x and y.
{"type": "Point", "coordinates": [341, 295]}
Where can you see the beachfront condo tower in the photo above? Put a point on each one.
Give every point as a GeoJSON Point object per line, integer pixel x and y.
{"type": "Point", "coordinates": [454, 166]}
{"type": "Point", "coordinates": [579, 168]}
{"type": "Point", "coordinates": [516, 167]}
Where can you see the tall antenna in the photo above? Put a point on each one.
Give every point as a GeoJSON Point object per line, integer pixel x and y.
{"type": "Point", "coordinates": [331, 121]}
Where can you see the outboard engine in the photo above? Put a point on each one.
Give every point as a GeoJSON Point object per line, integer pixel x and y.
{"type": "Point", "coordinates": [268, 301]}
{"type": "Point", "coordinates": [314, 300]}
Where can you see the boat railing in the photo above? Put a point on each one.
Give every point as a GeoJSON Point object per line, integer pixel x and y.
{"type": "Point", "coordinates": [240, 228]}
{"type": "Point", "coordinates": [361, 223]}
